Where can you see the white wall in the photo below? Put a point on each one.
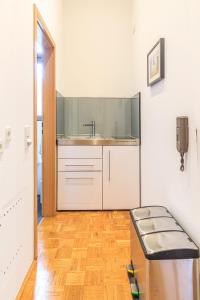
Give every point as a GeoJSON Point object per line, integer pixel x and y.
{"type": "Point", "coordinates": [53, 14]}
{"type": "Point", "coordinates": [16, 165]}
{"type": "Point", "coordinates": [98, 49]}
{"type": "Point", "coordinates": [162, 182]}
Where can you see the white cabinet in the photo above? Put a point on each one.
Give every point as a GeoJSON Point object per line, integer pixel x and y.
{"type": "Point", "coordinates": [79, 191]}
{"type": "Point", "coordinates": [79, 178]}
{"type": "Point", "coordinates": [86, 182]}
{"type": "Point", "coordinates": [121, 179]}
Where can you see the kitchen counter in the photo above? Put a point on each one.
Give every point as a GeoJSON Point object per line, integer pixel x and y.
{"type": "Point", "coordinates": [98, 141]}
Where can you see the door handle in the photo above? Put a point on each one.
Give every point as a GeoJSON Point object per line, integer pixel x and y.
{"type": "Point", "coordinates": [79, 178]}
{"type": "Point", "coordinates": [79, 165]}
{"type": "Point", "coordinates": [109, 171]}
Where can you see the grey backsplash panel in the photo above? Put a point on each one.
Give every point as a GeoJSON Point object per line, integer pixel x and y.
{"type": "Point", "coordinates": [135, 116]}
{"type": "Point", "coordinates": [60, 103]}
{"type": "Point", "coordinates": [113, 116]}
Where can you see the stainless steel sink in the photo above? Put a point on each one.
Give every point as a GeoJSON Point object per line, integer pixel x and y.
{"type": "Point", "coordinates": [95, 140]}
{"type": "Point", "coordinates": [77, 137]}
{"type": "Point", "coordinates": [85, 137]}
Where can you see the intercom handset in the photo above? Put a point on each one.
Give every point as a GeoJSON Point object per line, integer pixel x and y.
{"type": "Point", "coordinates": [182, 138]}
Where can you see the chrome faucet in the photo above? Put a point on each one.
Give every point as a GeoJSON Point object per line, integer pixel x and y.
{"type": "Point", "coordinates": [93, 125]}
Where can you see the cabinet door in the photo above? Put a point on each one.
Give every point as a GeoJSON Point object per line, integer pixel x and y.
{"type": "Point", "coordinates": [121, 180]}
{"type": "Point", "coordinates": [77, 165]}
{"type": "Point", "coordinates": [79, 191]}
{"type": "Point", "coordinates": [80, 152]}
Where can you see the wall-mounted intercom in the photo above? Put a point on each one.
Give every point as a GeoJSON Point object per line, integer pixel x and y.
{"type": "Point", "coordinates": [182, 138]}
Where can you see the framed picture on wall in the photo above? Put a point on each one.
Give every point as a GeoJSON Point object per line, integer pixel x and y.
{"type": "Point", "coordinates": [156, 63]}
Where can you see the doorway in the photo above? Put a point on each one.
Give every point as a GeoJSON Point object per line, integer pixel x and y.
{"type": "Point", "coordinates": [40, 66]}
{"type": "Point", "coordinates": [44, 123]}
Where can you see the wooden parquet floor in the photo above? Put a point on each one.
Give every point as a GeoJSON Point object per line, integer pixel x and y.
{"type": "Point", "coordinates": [82, 256]}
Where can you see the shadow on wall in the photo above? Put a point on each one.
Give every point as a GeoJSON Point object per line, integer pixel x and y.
{"type": "Point", "coordinates": [157, 89]}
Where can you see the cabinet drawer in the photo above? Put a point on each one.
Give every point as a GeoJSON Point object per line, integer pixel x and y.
{"type": "Point", "coordinates": [79, 152]}
{"type": "Point", "coordinates": [75, 164]}
{"type": "Point", "coordinates": [79, 191]}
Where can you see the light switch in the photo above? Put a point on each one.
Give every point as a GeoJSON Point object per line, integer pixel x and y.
{"type": "Point", "coordinates": [27, 136]}
{"type": "Point", "coordinates": [27, 131]}
{"type": "Point", "coordinates": [8, 134]}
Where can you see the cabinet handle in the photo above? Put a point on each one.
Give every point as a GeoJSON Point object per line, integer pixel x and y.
{"type": "Point", "coordinates": [109, 166]}
{"type": "Point", "coordinates": [79, 165]}
{"type": "Point", "coordinates": [78, 178]}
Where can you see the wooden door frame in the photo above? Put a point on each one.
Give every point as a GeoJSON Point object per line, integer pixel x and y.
{"type": "Point", "coordinates": [49, 123]}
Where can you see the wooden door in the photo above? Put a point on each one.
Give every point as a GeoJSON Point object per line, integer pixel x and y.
{"type": "Point", "coordinates": [43, 36]}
